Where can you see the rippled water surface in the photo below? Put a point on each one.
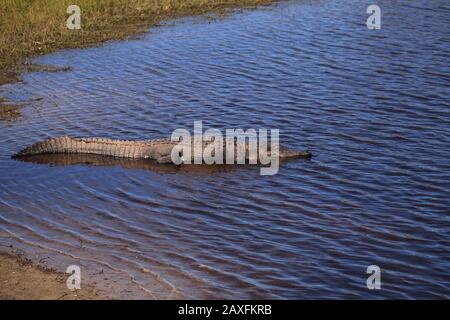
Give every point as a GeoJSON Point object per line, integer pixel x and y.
{"type": "Point", "coordinates": [372, 106]}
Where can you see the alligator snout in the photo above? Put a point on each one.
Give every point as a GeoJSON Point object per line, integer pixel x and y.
{"type": "Point", "coordinates": [290, 154]}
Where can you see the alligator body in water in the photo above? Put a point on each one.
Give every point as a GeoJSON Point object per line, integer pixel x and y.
{"type": "Point", "coordinates": [159, 150]}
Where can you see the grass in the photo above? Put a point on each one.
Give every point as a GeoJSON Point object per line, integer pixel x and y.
{"type": "Point", "coordinates": [34, 27]}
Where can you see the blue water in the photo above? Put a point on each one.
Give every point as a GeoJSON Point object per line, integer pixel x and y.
{"type": "Point", "coordinates": [372, 106]}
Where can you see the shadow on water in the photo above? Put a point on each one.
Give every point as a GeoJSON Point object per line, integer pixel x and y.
{"type": "Point", "coordinates": [140, 164]}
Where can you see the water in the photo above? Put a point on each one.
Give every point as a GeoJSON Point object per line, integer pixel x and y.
{"type": "Point", "coordinates": [372, 106]}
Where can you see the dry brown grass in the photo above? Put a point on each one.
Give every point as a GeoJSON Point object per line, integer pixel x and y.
{"type": "Point", "coordinates": [32, 27]}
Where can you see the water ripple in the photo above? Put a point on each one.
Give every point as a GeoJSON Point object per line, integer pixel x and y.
{"type": "Point", "coordinates": [371, 106]}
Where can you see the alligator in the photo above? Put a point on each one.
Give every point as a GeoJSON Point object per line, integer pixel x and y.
{"type": "Point", "coordinates": [158, 150]}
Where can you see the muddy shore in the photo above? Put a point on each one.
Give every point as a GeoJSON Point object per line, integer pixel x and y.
{"type": "Point", "coordinates": [21, 279]}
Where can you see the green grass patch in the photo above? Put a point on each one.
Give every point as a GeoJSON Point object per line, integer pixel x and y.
{"type": "Point", "coordinates": [34, 27]}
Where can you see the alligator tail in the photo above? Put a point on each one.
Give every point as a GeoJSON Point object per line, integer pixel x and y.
{"type": "Point", "coordinates": [52, 145]}
{"type": "Point", "coordinates": [99, 146]}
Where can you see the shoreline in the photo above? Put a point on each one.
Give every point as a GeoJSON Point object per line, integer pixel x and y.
{"type": "Point", "coordinates": [39, 29]}
{"type": "Point", "coordinates": [21, 279]}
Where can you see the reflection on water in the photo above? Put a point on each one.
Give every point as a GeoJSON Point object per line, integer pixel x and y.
{"type": "Point", "coordinates": [141, 164]}
{"type": "Point", "coordinates": [372, 106]}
